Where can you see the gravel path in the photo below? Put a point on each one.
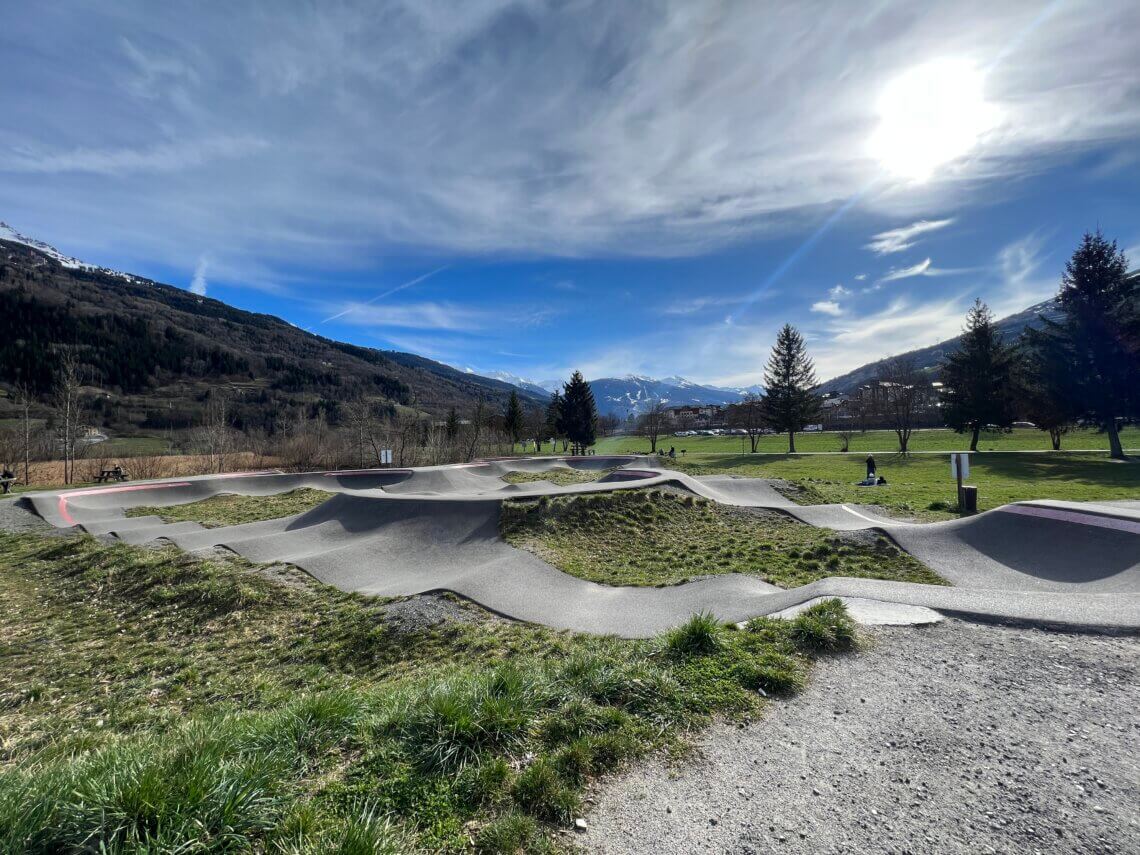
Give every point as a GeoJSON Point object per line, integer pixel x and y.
{"type": "Point", "coordinates": [15, 518]}
{"type": "Point", "coordinates": [956, 737]}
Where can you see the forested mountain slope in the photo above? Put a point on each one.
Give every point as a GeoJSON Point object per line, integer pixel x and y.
{"type": "Point", "coordinates": [155, 350]}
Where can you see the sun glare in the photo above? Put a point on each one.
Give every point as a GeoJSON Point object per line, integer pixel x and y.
{"type": "Point", "coordinates": [929, 116]}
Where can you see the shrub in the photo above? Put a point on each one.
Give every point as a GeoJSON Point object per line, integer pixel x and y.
{"type": "Point", "coordinates": [825, 627]}
{"type": "Point", "coordinates": [696, 637]}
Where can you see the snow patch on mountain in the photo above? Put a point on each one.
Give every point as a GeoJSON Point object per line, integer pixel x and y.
{"type": "Point", "coordinates": [10, 234]}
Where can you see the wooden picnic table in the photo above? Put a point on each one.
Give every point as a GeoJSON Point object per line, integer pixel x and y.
{"type": "Point", "coordinates": [115, 473]}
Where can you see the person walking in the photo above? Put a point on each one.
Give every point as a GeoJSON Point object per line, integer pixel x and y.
{"type": "Point", "coordinates": [870, 466]}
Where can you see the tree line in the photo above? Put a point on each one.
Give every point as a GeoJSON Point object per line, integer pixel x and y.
{"type": "Point", "coordinates": [1083, 369]}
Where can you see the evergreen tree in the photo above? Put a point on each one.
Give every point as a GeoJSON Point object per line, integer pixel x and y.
{"type": "Point", "coordinates": [554, 421]}
{"type": "Point", "coordinates": [1042, 386]}
{"type": "Point", "coordinates": [1094, 346]}
{"type": "Point", "coordinates": [979, 377]}
{"type": "Point", "coordinates": [579, 413]}
{"type": "Point", "coordinates": [452, 426]}
{"type": "Point", "coordinates": [513, 420]}
{"type": "Point", "coordinates": [790, 401]}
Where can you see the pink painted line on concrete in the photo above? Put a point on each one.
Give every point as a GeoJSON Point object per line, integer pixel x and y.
{"type": "Point", "coordinates": [1114, 523]}
{"type": "Point", "coordinates": [342, 472]}
{"type": "Point", "coordinates": [98, 491]}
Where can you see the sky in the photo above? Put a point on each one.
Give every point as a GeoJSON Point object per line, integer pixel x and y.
{"type": "Point", "coordinates": [645, 187]}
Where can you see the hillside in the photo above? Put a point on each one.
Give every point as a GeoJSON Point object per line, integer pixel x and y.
{"type": "Point", "coordinates": [930, 359]}
{"type": "Point", "coordinates": [155, 350]}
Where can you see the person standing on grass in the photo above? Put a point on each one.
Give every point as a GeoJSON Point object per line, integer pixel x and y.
{"type": "Point", "coordinates": [870, 466]}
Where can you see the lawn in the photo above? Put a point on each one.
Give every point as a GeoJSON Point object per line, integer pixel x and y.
{"type": "Point", "coordinates": [230, 509]}
{"type": "Point", "coordinates": [561, 477]}
{"type": "Point", "coordinates": [1020, 439]}
{"type": "Point", "coordinates": [921, 486]}
{"type": "Point", "coordinates": [655, 537]}
{"type": "Point", "coordinates": [156, 701]}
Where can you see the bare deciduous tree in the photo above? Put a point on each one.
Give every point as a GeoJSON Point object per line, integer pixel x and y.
{"type": "Point", "coordinates": [748, 414]}
{"type": "Point", "coordinates": [903, 395]}
{"type": "Point", "coordinates": [215, 438]}
{"type": "Point", "coordinates": [68, 406]}
{"type": "Point", "coordinates": [653, 423]}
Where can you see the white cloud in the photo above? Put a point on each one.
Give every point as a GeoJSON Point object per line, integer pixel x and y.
{"type": "Point", "coordinates": [502, 127]}
{"type": "Point", "coordinates": [198, 283]}
{"type": "Point", "coordinates": [896, 240]}
{"type": "Point", "coordinates": [839, 291]}
{"type": "Point", "coordinates": [923, 268]}
{"type": "Point", "coordinates": [827, 307]}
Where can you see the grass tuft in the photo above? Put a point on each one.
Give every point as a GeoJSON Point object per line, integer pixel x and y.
{"type": "Point", "coordinates": [698, 636]}
{"type": "Point", "coordinates": [825, 627]}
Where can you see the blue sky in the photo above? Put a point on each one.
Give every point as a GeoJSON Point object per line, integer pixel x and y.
{"type": "Point", "coordinates": [648, 188]}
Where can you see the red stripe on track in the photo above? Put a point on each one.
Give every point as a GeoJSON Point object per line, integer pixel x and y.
{"type": "Point", "coordinates": [98, 491]}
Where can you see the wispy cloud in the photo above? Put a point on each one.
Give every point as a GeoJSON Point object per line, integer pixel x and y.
{"type": "Point", "coordinates": [923, 268]}
{"type": "Point", "coordinates": [522, 129]}
{"type": "Point", "coordinates": [839, 291]}
{"type": "Point", "coordinates": [355, 307]}
{"type": "Point", "coordinates": [897, 240]}
{"type": "Point", "coordinates": [699, 304]}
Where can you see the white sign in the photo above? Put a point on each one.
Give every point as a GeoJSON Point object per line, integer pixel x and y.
{"type": "Point", "coordinates": [960, 461]}
{"type": "Point", "coordinates": [386, 456]}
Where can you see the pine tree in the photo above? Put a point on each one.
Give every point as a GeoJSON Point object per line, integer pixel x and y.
{"type": "Point", "coordinates": [979, 377]}
{"type": "Point", "coordinates": [579, 413]}
{"type": "Point", "coordinates": [452, 426]}
{"type": "Point", "coordinates": [790, 401]}
{"type": "Point", "coordinates": [554, 421]}
{"type": "Point", "coordinates": [1094, 346]}
{"type": "Point", "coordinates": [513, 420]}
{"type": "Point", "coordinates": [1042, 383]}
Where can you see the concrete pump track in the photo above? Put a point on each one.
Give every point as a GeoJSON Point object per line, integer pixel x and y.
{"type": "Point", "coordinates": [400, 532]}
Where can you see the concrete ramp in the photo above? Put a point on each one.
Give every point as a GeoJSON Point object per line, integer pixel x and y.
{"type": "Point", "coordinates": [410, 531]}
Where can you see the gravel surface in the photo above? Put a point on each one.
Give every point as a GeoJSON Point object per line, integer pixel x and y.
{"type": "Point", "coordinates": [15, 518]}
{"type": "Point", "coordinates": [956, 737]}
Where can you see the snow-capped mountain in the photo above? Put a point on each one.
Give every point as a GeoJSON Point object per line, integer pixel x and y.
{"type": "Point", "coordinates": [10, 234]}
{"type": "Point", "coordinates": [538, 388]}
{"type": "Point", "coordinates": [634, 394]}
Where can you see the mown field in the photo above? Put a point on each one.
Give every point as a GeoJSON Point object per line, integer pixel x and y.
{"type": "Point", "coordinates": [658, 537]}
{"type": "Point", "coordinates": [921, 485]}
{"type": "Point", "coordinates": [1020, 439]}
{"type": "Point", "coordinates": [153, 701]}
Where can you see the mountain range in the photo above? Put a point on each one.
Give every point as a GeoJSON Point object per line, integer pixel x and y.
{"type": "Point", "coordinates": [160, 348]}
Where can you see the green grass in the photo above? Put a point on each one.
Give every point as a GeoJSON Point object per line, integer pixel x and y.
{"type": "Point", "coordinates": [561, 477]}
{"type": "Point", "coordinates": [229, 509]}
{"type": "Point", "coordinates": [1020, 439]}
{"type": "Point", "coordinates": [153, 701]}
{"type": "Point", "coordinates": [653, 537]}
{"type": "Point", "coordinates": [921, 486]}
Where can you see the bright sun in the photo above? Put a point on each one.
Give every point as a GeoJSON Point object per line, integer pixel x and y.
{"type": "Point", "coordinates": [930, 115]}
